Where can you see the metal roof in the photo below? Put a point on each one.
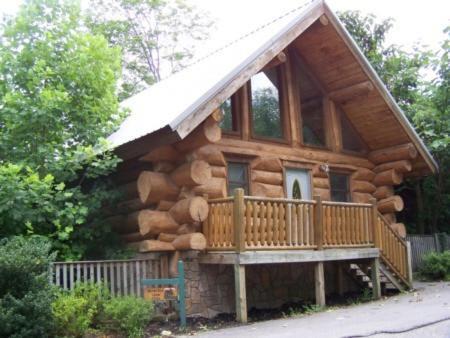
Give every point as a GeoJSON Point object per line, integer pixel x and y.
{"type": "Point", "coordinates": [170, 101]}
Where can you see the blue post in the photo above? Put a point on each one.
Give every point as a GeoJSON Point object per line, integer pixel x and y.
{"type": "Point", "coordinates": [181, 294]}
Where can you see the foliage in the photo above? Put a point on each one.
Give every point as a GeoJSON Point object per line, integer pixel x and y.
{"type": "Point", "coordinates": [77, 311]}
{"type": "Point", "coordinates": [128, 315]}
{"type": "Point", "coordinates": [399, 70]}
{"type": "Point", "coordinates": [266, 113]}
{"type": "Point", "coordinates": [436, 266]}
{"type": "Point", "coordinates": [57, 101]}
{"type": "Point", "coordinates": [156, 36]}
{"type": "Point", "coordinates": [25, 294]}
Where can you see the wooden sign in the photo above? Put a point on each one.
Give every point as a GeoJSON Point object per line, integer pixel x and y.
{"type": "Point", "coordinates": [160, 293]}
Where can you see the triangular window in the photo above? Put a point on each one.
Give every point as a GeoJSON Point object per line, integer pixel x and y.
{"type": "Point", "coordinates": [350, 138]}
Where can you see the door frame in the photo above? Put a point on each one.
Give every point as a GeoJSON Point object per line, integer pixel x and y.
{"type": "Point", "coordinates": [298, 165]}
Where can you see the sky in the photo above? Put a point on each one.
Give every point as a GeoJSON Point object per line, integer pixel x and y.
{"type": "Point", "coordinates": [415, 21]}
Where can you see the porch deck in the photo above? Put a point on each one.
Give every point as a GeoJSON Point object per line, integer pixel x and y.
{"type": "Point", "coordinates": [242, 230]}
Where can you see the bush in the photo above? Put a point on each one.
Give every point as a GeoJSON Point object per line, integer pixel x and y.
{"type": "Point", "coordinates": [127, 315]}
{"type": "Point", "coordinates": [436, 266]}
{"type": "Point", "coordinates": [25, 294]}
{"type": "Point", "coordinates": [78, 310]}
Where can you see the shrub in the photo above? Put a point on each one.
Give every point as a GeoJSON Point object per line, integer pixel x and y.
{"type": "Point", "coordinates": [78, 310]}
{"type": "Point", "coordinates": [436, 266]}
{"type": "Point", "coordinates": [25, 294]}
{"type": "Point", "coordinates": [127, 315]}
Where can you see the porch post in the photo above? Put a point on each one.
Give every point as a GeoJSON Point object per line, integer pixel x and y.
{"type": "Point", "coordinates": [374, 223]}
{"type": "Point", "coordinates": [319, 283]}
{"type": "Point", "coordinates": [376, 283]}
{"type": "Point", "coordinates": [409, 262]}
{"type": "Point", "coordinates": [340, 279]}
{"type": "Point", "coordinates": [318, 222]}
{"type": "Point", "coordinates": [240, 293]}
{"type": "Point", "coordinates": [238, 216]}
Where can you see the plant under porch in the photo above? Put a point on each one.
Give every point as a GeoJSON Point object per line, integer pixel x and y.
{"type": "Point", "coordinates": [243, 230]}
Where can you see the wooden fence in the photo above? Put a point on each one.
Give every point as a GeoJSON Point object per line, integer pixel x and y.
{"type": "Point", "coordinates": [423, 244]}
{"type": "Point", "coordinates": [123, 277]}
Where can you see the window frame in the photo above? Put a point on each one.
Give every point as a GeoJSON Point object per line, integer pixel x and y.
{"type": "Point", "coordinates": [349, 184]}
{"type": "Point", "coordinates": [245, 163]}
{"type": "Point", "coordinates": [235, 116]}
{"type": "Point", "coordinates": [282, 107]}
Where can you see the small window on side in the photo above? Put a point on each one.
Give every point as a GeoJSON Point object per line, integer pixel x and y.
{"type": "Point", "coordinates": [237, 177]}
{"type": "Point", "coordinates": [266, 104]}
{"type": "Point", "coordinates": [229, 122]}
{"type": "Point", "coordinates": [340, 187]}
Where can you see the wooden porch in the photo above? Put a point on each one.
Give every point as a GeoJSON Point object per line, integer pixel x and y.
{"type": "Point", "coordinates": [242, 230]}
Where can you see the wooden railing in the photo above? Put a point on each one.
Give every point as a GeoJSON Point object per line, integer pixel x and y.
{"type": "Point", "coordinates": [393, 249]}
{"type": "Point", "coordinates": [347, 224]}
{"type": "Point", "coordinates": [123, 277]}
{"type": "Point", "coordinates": [242, 223]}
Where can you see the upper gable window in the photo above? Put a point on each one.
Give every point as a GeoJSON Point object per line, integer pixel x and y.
{"type": "Point", "coordinates": [230, 121]}
{"type": "Point", "coordinates": [350, 138]}
{"type": "Point", "coordinates": [265, 97]}
{"type": "Point", "coordinates": [311, 107]}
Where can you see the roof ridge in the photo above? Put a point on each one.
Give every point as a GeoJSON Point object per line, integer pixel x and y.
{"type": "Point", "coordinates": [232, 42]}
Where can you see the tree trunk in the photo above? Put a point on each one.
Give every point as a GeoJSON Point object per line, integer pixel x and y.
{"type": "Point", "coordinates": [419, 207]}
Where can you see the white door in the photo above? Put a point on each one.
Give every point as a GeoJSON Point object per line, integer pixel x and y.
{"type": "Point", "coordinates": [298, 184]}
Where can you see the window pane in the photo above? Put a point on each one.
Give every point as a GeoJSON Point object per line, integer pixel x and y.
{"type": "Point", "coordinates": [266, 112]}
{"type": "Point", "coordinates": [339, 185]}
{"type": "Point", "coordinates": [311, 107]}
{"type": "Point", "coordinates": [350, 137]}
{"type": "Point", "coordinates": [237, 177]}
{"type": "Point", "coordinates": [227, 122]}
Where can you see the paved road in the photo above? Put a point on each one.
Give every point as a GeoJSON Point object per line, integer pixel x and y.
{"type": "Point", "coordinates": [430, 302]}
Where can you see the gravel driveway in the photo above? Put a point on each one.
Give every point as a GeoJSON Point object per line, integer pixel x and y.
{"type": "Point", "coordinates": [411, 312]}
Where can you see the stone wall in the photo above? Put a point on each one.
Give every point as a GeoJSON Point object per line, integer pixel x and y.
{"type": "Point", "coordinates": [210, 288]}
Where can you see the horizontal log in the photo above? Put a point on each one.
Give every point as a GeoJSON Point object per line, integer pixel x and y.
{"type": "Point", "coordinates": [188, 228]}
{"type": "Point", "coordinates": [268, 177]}
{"type": "Point", "coordinates": [164, 153]}
{"type": "Point", "coordinates": [136, 237]}
{"type": "Point", "coordinates": [218, 171]}
{"type": "Point", "coordinates": [360, 197]}
{"type": "Point", "coordinates": [388, 177]}
{"type": "Point", "coordinates": [190, 210]}
{"type": "Point", "coordinates": [191, 174]}
{"type": "Point", "coordinates": [383, 191]}
{"type": "Point", "coordinates": [363, 174]}
{"type": "Point", "coordinates": [194, 241]}
{"type": "Point", "coordinates": [153, 245]}
{"type": "Point", "coordinates": [399, 228]}
{"type": "Point", "coordinates": [154, 222]}
{"type": "Point", "coordinates": [322, 183]}
{"type": "Point", "coordinates": [390, 204]}
{"type": "Point", "coordinates": [167, 237]}
{"type": "Point", "coordinates": [351, 92]}
{"type": "Point", "coordinates": [153, 187]}
{"type": "Point", "coordinates": [126, 207]}
{"type": "Point", "coordinates": [215, 187]}
{"type": "Point", "coordinates": [323, 193]}
{"type": "Point", "coordinates": [207, 133]}
{"type": "Point", "coordinates": [362, 186]}
{"type": "Point", "coordinates": [165, 205]}
{"type": "Point", "coordinates": [402, 166]}
{"type": "Point", "coordinates": [402, 152]}
{"type": "Point", "coordinates": [163, 167]}
{"type": "Point", "coordinates": [267, 190]}
{"type": "Point", "coordinates": [390, 217]}
{"type": "Point", "coordinates": [268, 164]}
{"type": "Point", "coordinates": [210, 154]}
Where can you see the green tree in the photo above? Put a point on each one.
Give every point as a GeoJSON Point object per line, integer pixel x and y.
{"type": "Point", "coordinates": [157, 37]}
{"type": "Point", "coordinates": [399, 70]}
{"type": "Point", "coordinates": [57, 101]}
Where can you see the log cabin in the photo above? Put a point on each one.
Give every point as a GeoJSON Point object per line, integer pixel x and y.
{"type": "Point", "coordinates": [269, 167]}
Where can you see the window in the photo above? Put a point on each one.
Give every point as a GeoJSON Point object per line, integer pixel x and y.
{"type": "Point", "coordinates": [237, 177]}
{"type": "Point", "coordinates": [350, 137]}
{"type": "Point", "coordinates": [230, 119]}
{"type": "Point", "coordinates": [340, 189]}
{"type": "Point", "coordinates": [265, 104]}
{"type": "Point", "coordinates": [311, 107]}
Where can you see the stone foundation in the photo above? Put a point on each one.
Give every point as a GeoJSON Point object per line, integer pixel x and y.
{"type": "Point", "coordinates": [210, 288]}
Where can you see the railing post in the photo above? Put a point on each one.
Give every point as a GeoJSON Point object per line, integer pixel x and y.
{"type": "Point", "coordinates": [318, 222]}
{"type": "Point", "coordinates": [374, 222]}
{"type": "Point", "coordinates": [238, 216]}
